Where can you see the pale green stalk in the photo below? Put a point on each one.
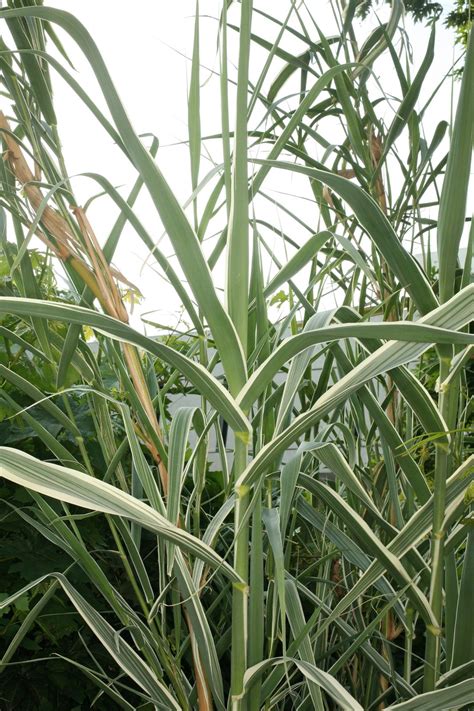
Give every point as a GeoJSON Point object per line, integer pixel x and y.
{"type": "Point", "coordinates": [451, 219]}
{"type": "Point", "coordinates": [237, 286]}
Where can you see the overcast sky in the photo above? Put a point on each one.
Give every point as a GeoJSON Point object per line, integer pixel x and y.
{"type": "Point", "coordinates": [145, 45]}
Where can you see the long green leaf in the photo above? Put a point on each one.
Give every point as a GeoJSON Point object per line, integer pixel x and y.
{"type": "Point", "coordinates": [378, 228]}
{"type": "Point", "coordinates": [182, 236]}
{"type": "Point", "coordinates": [453, 201]}
{"type": "Point", "coordinates": [121, 651]}
{"type": "Point", "coordinates": [82, 490]}
{"type": "Point", "coordinates": [452, 698]}
{"type": "Point", "coordinates": [198, 375]}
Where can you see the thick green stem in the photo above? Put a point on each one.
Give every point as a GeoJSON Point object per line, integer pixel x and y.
{"type": "Point", "coordinates": [256, 602]}
{"type": "Point", "coordinates": [409, 633]}
{"type": "Point", "coordinates": [240, 590]}
{"type": "Point", "coordinates": [447, 398]}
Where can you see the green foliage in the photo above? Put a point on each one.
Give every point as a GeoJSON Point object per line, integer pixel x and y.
{"type": "Point", "coordinates": [420, 9]}
{"type": "Point", "coordinates": [296, 535]}
{"type": "Point", "coordinates": [459, 18]}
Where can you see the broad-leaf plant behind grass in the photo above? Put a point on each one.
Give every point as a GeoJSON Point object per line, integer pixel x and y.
{"type": "Point", "coordinates": [327, 560]}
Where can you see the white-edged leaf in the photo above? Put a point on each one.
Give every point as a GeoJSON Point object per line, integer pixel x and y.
{"type": "Point", "coordinates": [88, 492]}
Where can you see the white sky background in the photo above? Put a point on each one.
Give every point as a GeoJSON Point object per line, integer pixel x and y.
{"type": "Point", "coordinates": [143, 43]}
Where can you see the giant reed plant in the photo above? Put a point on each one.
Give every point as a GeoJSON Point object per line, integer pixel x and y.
{"type": "Point", "coordinates": [328, 564]}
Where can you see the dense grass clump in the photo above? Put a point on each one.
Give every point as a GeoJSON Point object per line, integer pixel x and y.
{"type": "Point", "coordinates": [269, 507]}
